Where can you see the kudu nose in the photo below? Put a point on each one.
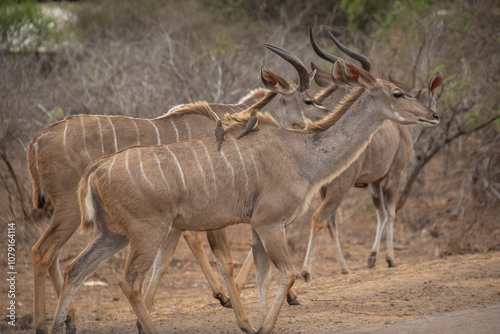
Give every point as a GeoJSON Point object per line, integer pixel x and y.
{"type": "Point", "coordinates": [436, 117]}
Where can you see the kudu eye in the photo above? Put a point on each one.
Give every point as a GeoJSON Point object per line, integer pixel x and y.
{"type": "Point", "coordinates": [308, 102]}
{"type": "Point", "coordinates": [398, 95]}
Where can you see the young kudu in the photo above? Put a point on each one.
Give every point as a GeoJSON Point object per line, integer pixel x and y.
{"type": "Point", "coordinates": [58, 155]}
{"type": "Point", "coordinates": [381, 166]}
{"type": "Point", "coordinates": [266, 179]}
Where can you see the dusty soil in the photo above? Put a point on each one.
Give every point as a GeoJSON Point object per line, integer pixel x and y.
{"type": "Point", "coordinates": [424, 283]}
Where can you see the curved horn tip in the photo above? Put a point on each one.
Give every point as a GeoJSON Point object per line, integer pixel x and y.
{"type": "Point", "coordinates": [295, 62]}
{"type": "Point", "coordinates": [323, 54]}
{"type": "Point", "coordinates": [365, 62]}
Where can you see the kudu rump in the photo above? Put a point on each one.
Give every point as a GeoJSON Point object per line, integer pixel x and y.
{"type": "Point", "coordinates": [58, 155]}
{"type": "Point", "coordinates": [265, 179]}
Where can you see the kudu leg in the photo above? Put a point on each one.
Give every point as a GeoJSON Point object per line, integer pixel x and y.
{"type": "Point", "coordinates": [57, 282]}
{"type": "Point", "coordinates": [162, 262]}
{"type": "Point", "coordinates": [143, 252]}
{"type": "Point", "coordinates": [45, 260]}
{"type": "Point", "coordinates": [273, 240]}
{"type": "Point", "coordinates": [316, 226]}
{"type": "Point", "coordinates": [242, 278]}
{"type": "Point", "coordinates": [327, 212]}
{"type": "Point", "coordinates": [220, 247]}
{"type": "Point", "coordinates": [90, 259]}
{"type": "Point", "coordinates": [195, 243]}
{"type": "Point", "coordinates": [379, 202]}
{"type": "Point", "coordinates": [391, 195]}
{"type": "Point", "coordinates": [263, 273]}
{"type": "Point", "coordinates": [335, 234]}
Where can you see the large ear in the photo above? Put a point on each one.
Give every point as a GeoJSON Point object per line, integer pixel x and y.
{"type": "Point", "coordinates": [401, 85]}
{"type": "Point", "coordinates": [322, 77]}
{"type": "Point", "coordinates": [351, 74]}
{"type": "Point", "coordinates": [338, 74]}
{"type": "Point", "coordinates": [365, 75]}
{"type": "Point", "coordinates": [435, 82]}
{"type": "Point", "coordinates": [273, 81]}
{"type": "Point", "coordinates": [312, 75]}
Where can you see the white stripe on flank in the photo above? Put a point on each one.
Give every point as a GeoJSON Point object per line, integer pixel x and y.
{"type": "Point", "coordinates": [211, 166]}
{"type": "Point", "coordinates": [176, 131]}
{"type": "Point", "coordinates": [188, 128]}
{"type": "Point", "coordinates": [158, 138]}
{"type": "Point", "coordinates": [213, 113]}
{"type": "Point", "coordinates": [201, 170]}
{"type": "Point", "coordinates": [100, 135]}
{"type": "Point", "coordinates": [137, 132]}
{"type": "Point", "coordinates": [84, 140]}
{"type": "Point", "coordinates": [161, 171]}
{"type": "Point", "coordinates": [242, 164]}
{"type": "Point", "coordinates": [110, 167]}
{"type": "Point", "coordinates": [142, 169]}
{"type": "Point", "coordinates": [180, 170]}
{"type": "Point", "coordinates": [89, 204]}
{"type": "Point", "coordinates": [228, 165]}
{"type": "Point", "coordinates": [64, 145]}
{"type": "Point", "coordinates": [64, 137]}
{"type": "Point", "coordinates": [114, 134]}
{"type": "Point", "coordinates": [126, 166]}
{"type": "Point", "coordinates": [254, 165]}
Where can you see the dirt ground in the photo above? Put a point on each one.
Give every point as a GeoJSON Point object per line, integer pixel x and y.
{"type": "Point", "coordinates": [424, 283]}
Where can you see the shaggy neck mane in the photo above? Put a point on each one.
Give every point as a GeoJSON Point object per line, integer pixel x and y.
{"type": "Point", "coordinates": [240, 119]}
{"type": "Point", "coordinates": [255, 95]}
{"type": "Point", "coordinates": [199, 108]}
{"type": "Point", "coordinates": [336, 114]}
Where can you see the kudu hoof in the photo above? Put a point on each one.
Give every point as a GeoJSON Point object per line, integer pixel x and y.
{"type": "Point", "coordinates": [139, 327]}
{"type": "Point", "coordinates": [226, 303]}
{"type": "Point", "coordinates": [307, 276]}
{"type": "Point", "coordinates": [291, 301]}
{"type": "Point", "coordinates": [391, 263]}
{"type": "Point", "coordinates": [70, 329]}
{"type": "Point", "coordinates": [372, 259]}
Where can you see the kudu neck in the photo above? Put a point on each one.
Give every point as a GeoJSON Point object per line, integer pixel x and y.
{"type": "Point", "coordinates": [325, 154]}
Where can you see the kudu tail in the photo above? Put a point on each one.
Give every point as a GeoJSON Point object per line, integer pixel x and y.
{"type": "Point", "coordinates": [38, 189]}
{"type": "Point", "coordinates": [87, 196]}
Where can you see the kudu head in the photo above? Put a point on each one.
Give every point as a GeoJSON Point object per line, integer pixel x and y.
{"type": "Point", "coordinates": [294, 102]}
{"type": "Point", "coordinates": [427, 95]}
{"type": "Point", "coordinates": [391, 101]}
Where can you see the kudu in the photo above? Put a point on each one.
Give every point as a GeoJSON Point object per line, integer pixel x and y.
{"type": "Point", "coordinates": [381, 166]}
{"type": "Point", "coordinates": [266, 179]}
{"type": "Point", "coordinates": [58, 155]}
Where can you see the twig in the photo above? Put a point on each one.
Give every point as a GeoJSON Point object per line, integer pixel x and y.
{"type": "Point", "coordinates": [421, 164]}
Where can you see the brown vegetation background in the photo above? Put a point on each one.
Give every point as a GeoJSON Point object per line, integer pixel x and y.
{"type": "Point", "coordinates": [140, 58]}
